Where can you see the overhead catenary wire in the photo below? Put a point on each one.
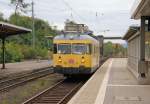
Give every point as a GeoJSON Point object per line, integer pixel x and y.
{"type": "Point", "coordinates": [73, 11]}
{"type": "Point", "coordinates": [81, 18]}
{"type": "Point", "coordinates": [98, 22]}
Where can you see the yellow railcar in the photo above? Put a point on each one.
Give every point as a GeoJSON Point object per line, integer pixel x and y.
{"type": "Point", "coordinates": [75, 54]}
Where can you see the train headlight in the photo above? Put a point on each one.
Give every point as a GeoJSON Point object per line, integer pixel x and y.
{"type": "Point", "coordinates": [83, 61]}
{"type": "Point", "coordinates": [59, 60]}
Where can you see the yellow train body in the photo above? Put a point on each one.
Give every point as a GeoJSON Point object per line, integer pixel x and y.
{"type": "Point", "coordinates": [76, 63]}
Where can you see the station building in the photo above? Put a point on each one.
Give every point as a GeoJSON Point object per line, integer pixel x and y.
{"type": "Point", "coordinates": [138, 39]}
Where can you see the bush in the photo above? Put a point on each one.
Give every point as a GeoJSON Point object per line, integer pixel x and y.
{"type": "Point", "coordinates": [13, 53]}
{"type": "Point", "coordinates": [35, 53]}
{"type": "Point", "coordinates": [16, 53]}
{"type": "Point", "coordinates": [42, 53]}
{"type": "Point", "coordinates": [29, 53]}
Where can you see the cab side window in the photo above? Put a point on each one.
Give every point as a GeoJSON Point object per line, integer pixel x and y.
{"type": "Point", "coordinates": [55, 48]}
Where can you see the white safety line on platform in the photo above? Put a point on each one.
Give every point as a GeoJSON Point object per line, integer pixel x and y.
{"type": "Point", "coordinates": [81, 90]}
{"type": "Point", "coordinates": [101, 95]}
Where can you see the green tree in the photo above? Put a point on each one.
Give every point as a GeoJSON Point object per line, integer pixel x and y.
{"type": "Point", "coordinates": [108, 49]}
{"type": "Point", "coordinates": [20, 6]}
{"type": "Point", "coordinates": [114, 50]}
{"type": "Point", "coordinates": [23, 49]}
{"type": "Point", "coordinates": [42, 29]}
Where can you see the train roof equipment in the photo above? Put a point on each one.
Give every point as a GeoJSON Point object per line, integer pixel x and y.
{"type": "Point", "coordinates": [74, 37]}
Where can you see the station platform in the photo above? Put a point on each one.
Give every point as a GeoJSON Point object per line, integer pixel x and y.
{"type": "Point", "coordinates": [19, 67]}
{"type": "Point", "coordinates": [113, 83]}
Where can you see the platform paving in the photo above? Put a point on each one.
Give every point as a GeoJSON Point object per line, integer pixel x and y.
{"type": "Point", "coordinates": [113, 83]}
{"type": "Point", "coordinates": [13, 68]}
{"type": "Point", "coordinates": [123, 88]}
{"type": "Point", "coordinates": [89, 92]}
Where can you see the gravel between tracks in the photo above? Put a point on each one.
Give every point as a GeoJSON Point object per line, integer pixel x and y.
{"type": "Point", "coordinates": [7, 85]}
{"type": "Point", "coordinates": [58, 94]}
{"type": "Point", "coordinates": [21, 93]}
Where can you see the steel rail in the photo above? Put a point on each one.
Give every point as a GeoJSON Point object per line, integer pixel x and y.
{"type": "Point", "coordinates": [15, 82]}
{"type": "Point", "coordinates": [60, 93]}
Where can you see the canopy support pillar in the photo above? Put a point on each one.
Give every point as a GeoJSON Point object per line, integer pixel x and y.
{"type": "Point", "coordinates": [143, 64]}
{"type": "Point", "coordinates": [142, 39]}
{"type": "Point", "coordinates": [3, 53]}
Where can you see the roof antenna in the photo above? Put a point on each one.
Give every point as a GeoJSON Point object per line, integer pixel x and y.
{"type": "Point", "coordinates": [71, 16]}
{"type": "Point", "coordinates": [79, 33]}
{"type": "Point", "coordinates": [62, 32]}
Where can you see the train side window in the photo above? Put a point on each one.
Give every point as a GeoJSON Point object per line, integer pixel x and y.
{"type": "Point", "coordinates": [93, 49]}
{"type": "Point", "coordinates": [90, 48]}
{"type": "Point", "coordinates": [55, 48]}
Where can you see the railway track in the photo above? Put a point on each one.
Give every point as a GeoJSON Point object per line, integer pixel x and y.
{"type": "Point", "coordinates": [6, 85]}
{"type": "Point", "coordinates": [60, 93]}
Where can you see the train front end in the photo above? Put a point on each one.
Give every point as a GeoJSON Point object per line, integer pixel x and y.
{"type": "Point", "coordinates": [72, 57]}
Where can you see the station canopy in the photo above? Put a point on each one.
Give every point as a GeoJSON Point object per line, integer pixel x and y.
{"type": "Point", "coordinates": [131, 31]}
{"type": "Point", "coordinates": [6, 30]}
{"type": "Point", "coordinates": [140, 8]}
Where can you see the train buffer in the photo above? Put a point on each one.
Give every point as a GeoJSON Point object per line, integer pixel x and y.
{"type": "Point", "coordinates": [113, 83]}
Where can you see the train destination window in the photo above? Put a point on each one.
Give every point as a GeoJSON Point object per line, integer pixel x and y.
{"type": "Point", "coordinates": [80, 49]}
{"type": "Point", "coordinates": [64, 49]}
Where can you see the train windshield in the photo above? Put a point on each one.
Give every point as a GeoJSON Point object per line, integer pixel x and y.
{"type": "Point", "coordinates": [64, 48]}
{"type": "Point", "coordinates": [80, 49]}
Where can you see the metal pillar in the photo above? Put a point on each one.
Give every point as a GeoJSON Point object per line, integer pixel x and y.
{"type": "Point", "coordinates": [3, 53]}
{"type": "Point", "coordinates": [143, 65]}
{"type": "Point", "coordinates": [33, 26]}
{"type": "Point", "coordinates": [101, 44]}
{"type": "Point", "coordinates": [142, 39]}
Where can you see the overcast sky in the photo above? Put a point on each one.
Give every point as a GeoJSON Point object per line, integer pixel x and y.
{"type": "Point", "coordinates": [99, 15]}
